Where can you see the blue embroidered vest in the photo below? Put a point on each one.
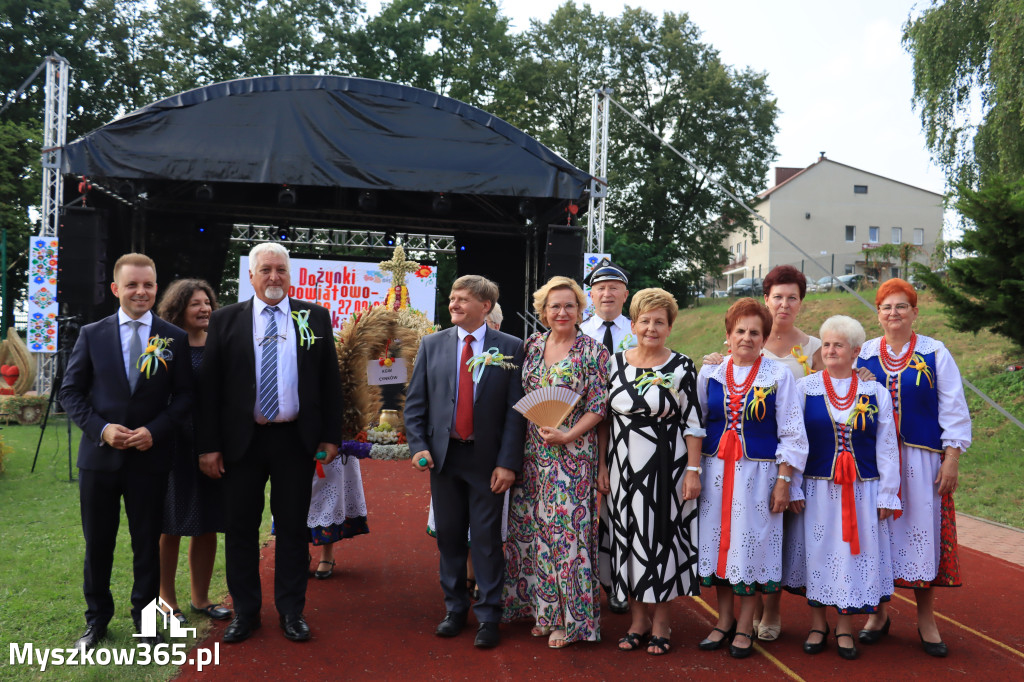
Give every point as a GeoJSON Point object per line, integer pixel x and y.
{"type": "Point", "coordinates": [915, 399]}
{"type": "Point", "coordinates": [825, 438]}
{"type": "Point", "coordinates": [760, 437]}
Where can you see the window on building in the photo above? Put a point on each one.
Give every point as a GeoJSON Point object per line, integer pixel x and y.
{"type": "Point", "coordinates": [860, 189]}
{"type": "Point", "coordinates": [851, 233]}
{"type": "Point", "coordinates": [760, 234]}
{"type": "Point", "coordinates": [919, 236]}
{"type": "Point", "coordinates": [895, 272]}
{"type": "Point", "coordinates": [897, 235]}
{"type": "Point", "coordinates": [848, 270]}
{"type": "Point", "coordinates": [873, 234]}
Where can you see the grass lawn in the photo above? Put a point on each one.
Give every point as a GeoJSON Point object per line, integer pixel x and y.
{"type": "Point", "coordinates": [41, 552]}
{"type": "Point", "coordinates": [991, 475]}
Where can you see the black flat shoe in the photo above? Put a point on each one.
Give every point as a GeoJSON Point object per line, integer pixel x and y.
{"type": "Point", "coordinates": [214, 611]}
{"type": "Point", "coordinates": [872, 636]}
{"type": "Point", "coordinates": [91, 637]}
{"type": "Point", "coordinates": [937, 649]}
{"type": "Point", "coordinates": [487, 636]}
{"type": "Point", "coordinates": [737, 652]}
{"type": "Point", "coordinates": [324, 575]}
{"type": "Point", "coordinates": [295, 628]}
{"type": "Point", "coordinates": [708, 644]}
{"type": "Point", "coordinates": [849, 653]}
{"type": "Point", "coordinates": [452, 624]}
{"type": "Point", "coordinates": [817, 647]}
{"type": "Point", "coordinates": [240, 629]}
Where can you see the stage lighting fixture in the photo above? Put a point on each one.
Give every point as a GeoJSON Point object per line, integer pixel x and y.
{"type": "Point", "coordinates": [442, 204]}
{"type": "Point", "coordinates": [126, 190]}
{"type": "Point", "coordinates": [204, 192]}
{"type": "Point", "coordinates": [284, 233]}
{"type": "Point", "coordinates": [286, 197]}
{"type": "Point", "coordinates": [527, 209]}
{"type": "Point", "coordinates": [389, 238]}
{"type": "Point", "coordinates": [367, 201]}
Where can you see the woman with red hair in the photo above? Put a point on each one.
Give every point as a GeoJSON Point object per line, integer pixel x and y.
{"type": "Point", "coordinates": [755, 444]}
{"type": "Point", "coordinates": [934, 429]}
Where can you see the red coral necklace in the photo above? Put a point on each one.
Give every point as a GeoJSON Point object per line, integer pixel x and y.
{"type": "Point", "coordinates": [846, 401]}
{"type": "Point", "coordinates": [896, 365]}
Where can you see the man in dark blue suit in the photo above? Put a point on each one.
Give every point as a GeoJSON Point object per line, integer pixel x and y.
{"type": "Point", "coordinates": [471, 439]}
{"type": "Point", "coordinates": [127, 385]}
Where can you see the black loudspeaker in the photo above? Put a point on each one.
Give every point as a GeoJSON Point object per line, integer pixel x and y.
{"type": "Point", "coordinates": [82, 258]}
{"type": "Point", "coordinates": [563, 253]}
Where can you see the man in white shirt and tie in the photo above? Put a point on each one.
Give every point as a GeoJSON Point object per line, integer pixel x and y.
{"type": "Point", "coordinates": [609, 290]}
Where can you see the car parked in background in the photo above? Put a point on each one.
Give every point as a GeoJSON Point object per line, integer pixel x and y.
{"type": "Point", "coordinates": [826, 283]}
{"type": "Point", "coordinates": [748, 286]}
{"type": "Point", "coordinates": [857, 282]}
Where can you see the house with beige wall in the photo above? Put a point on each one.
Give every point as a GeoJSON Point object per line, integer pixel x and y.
{"type": "Point", "coordinates": [833, 212]}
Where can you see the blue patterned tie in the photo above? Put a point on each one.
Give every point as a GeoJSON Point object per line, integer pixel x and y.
{"type": "Point", "coordinates": [134, 351]}
{"type": "Point", "coordinates": [268, 367]}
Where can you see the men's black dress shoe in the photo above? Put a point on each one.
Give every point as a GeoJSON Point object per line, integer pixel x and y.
{"type": "Point", "coordinates": [93, 635]}
{"type": "Point", "coordinates": [849, 653]}
{"type": "Point", "coordinates": [214, 611]}
{"type": "Point", "coordinates": [617, 606]}
{"type": "Point", "coordinates": [487, 636]}
{"type": "Point", "coordinates": [872, 636]}
{"type": "Point", "coordinates": [937, 649]}
{"type": "Point", "coordinates": [240, 629]}
{"type": "Point", "coordinates": [295, 628]}
{"type": "Point", "coordinates": [451, 625]}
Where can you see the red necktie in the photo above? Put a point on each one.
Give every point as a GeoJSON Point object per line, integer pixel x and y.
{"type": "Point", "coordinates": [464, 408]}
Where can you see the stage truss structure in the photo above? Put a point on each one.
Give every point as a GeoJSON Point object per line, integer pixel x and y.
{"type": "Point", "coordinates": [598, 170]}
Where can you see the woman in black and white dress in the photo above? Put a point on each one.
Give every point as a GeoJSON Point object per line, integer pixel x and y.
{"type": "Point", "coordinates": [650, 475]}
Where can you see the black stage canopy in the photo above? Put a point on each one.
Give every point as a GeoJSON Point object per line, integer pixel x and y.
{"type": "Point", "coordinates": [319, 151]}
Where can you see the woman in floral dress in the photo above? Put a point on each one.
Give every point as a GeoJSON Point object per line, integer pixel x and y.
{"type": "Point", "coordinates": [551, 553]}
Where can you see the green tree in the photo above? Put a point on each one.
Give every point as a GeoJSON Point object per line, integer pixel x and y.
{"type": "Point", "coordinates": [667, 221]}
{"type": "Point", "coordinates": [985, 289]}
{"type": "Point", "coordinates": [965, 52]}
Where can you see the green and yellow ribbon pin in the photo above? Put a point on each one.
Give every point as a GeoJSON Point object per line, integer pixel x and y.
{"type": "Point", "coordinates": [917, 362]}
{"type": "Point", "coordinates": [652, 378]}
{"type": "Point", "coordinates": [306, 337]}
{"type": "Point", "coordinates": [757, 408]}
{"type": "Point", "coordinates": [862, 411]}
{"type": "Point", "coordinates": [158, 351]}
{"type": "Point", "coordinates": [560, 370]}
{"type": "Point", "coordinates": [489, 357]}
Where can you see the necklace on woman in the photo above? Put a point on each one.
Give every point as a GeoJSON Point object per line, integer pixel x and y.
{"type": "Point", "coordinates": [737, 390]}
{"type": "Point", "coordinates": [844, 403]}
{"type": "Point", "coordinates": [896, 365]}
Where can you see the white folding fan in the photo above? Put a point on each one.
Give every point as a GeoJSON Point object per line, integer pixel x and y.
{"type": "Point", "coordinates": [548, 405]}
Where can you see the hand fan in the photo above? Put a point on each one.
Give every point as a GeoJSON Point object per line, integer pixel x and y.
{"type": "Point", "coordinates": [548, 405]}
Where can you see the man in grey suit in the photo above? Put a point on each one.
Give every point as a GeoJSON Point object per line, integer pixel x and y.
{"type": "Point", "coordinates": [469, 436]}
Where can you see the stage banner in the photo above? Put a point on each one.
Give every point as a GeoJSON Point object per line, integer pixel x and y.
{"type": "Point", "coordinates": [589, 261]}
{"type": "Point", "coordinates": [42, 295]}
{"type": "Point", "coordinates": [346, 287]}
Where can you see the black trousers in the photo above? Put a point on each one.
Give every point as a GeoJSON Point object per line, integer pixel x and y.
{"type": "Point", "coordinates": [100, 494]}
{"type": "Point", "coordinates": [276, 453]}
{"type": "Point", "coordinates": [463, 501]}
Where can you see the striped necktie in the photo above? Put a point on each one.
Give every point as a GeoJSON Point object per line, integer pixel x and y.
{"type": "Point", "coordinates": [268, 367]}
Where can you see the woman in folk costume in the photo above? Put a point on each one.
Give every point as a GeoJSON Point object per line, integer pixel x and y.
{"type": "Point", "coordinates": [755, 444]}
{"type": "Point", "coordinates": [850, 487]}
{"type": "Point", "coordinates": [934, 429]}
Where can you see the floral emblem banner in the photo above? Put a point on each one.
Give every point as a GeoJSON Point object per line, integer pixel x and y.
{"type": "Point", "coordinates": [42, 295]}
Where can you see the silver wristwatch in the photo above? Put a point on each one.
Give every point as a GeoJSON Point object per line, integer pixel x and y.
{"type": "Point", "coordinates": [697, 469]}
{"type": "Point", "coordinates": [787, 479]}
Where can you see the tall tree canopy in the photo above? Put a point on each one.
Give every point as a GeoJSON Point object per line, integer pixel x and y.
{"type": "Point", "coordinates": [968, 53]}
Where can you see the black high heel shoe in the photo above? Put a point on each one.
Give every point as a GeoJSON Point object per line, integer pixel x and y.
{"type": "Point", "coordinates": [737, 652]}
{"type": "Point", "coordinates": [708, 644]}
{"type": "Point", "coordinates": [818, 647]}
{"type": "Point", "coordinates": [849, 653]}
{"type": "Point", "coordinates": [872, 636]}
{"type": "Point", "coordinates": [937, 649]}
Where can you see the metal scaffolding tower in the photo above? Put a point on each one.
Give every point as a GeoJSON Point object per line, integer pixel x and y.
{"type": "Point", "coordinates": [598, 169]}
{"type": "Point", "coordinates": [54, 136]}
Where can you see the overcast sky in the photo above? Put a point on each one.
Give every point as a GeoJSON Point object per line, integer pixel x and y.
{"type": "Point", "coordinates": [841, 76]}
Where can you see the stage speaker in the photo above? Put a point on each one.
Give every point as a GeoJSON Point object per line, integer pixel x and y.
{"type": "Point", "coordinates": [82, 257]}
{"type": "Point", "coordinates": [563, 253]}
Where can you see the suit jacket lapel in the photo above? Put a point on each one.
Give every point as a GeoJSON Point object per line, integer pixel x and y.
{"type": "Point", "coordinates": [487, 372]}
{"type": "Point", "coordinates": [300, 357]}
{"type": "Point", "coordinates": [449, 356]}
{"type": "Point", "coordinates": [112, 330]}
{"type": "Point", "coordinates": [246, 328]}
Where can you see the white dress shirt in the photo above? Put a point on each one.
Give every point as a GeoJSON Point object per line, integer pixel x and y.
{"type": "Point", "coordinates": [126, 335]}
{"type": "Point", "coordinates": [476, 348]}
{"type": "Point", "coordinates": [287, 363]}
{"type": "Point", "coordinates": [622, 333]}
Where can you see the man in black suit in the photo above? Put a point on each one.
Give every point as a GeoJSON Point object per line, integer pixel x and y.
{"type": "Point", "coordinates": [471, 439]}
{"type": "Point", "coordinates": [270, 401]}
{"type": "Point", "coordinates": [127, 385]}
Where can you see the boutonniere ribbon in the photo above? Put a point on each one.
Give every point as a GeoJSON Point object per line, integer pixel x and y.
{"type": "Point", "coordinates": [861, 412]}
{"type": "Point", "coordinates": [804, 361]}
{"type": "Point", "coordinates": [628, 341]}
{"type": "Point", "coordinates": [652, 378]}
{"type": "Point", "coordinates": [306, 337]}
{"type": "Point", "coordinates": [158, 351]}
{"type": "Point", "coordinates": [560, 370]}
{"type": "Point", "coordinates": [489, 357]}
{"type": "Point", "coordinates": [917, 362]}
{"type": "Point", "coordinates": [757, 408]}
